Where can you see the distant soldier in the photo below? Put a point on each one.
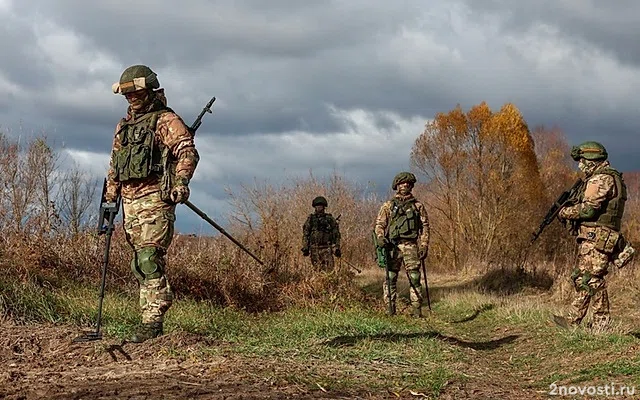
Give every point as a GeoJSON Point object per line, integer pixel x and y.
{"type": "Point", "coordinates": [321, 236]}
{"type": "Point", "coordinates": [152, 162]}
{"type": "Point", "coordinates": [403, 223]}
{"type": "Point", "coordinates": [596, 217]}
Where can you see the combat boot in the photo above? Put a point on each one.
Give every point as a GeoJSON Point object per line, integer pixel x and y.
{"type": "Point", "coordinates": [391, 308]}
{"type": "Point", "coordinates": [147, 331]}
{"type": "Point", "coordinates": [416, 311]}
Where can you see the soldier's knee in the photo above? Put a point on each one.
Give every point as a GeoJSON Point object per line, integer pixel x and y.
{"type": "Point", "coordinates": [149, 263]}
{"type": "Point", "coordinates": [415, 277]}
{"type": "Point", "coordinates": [136, 269]}
{"type": "Point", "coordinates": [393, 276]}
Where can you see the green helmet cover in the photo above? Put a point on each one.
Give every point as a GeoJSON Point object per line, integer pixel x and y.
{"type": "Point", "coordinates": [403, 177]}
{"type": "Point", "coordinates": [136, 77]}
{"type": "Point", "coordinates": [319, 201]}
{"type": "Point", "coordinates": [590, 150]}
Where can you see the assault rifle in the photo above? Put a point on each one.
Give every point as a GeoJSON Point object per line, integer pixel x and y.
{"type": "Point", "coordinates": [194, 127]}
{"type": "Point", "coordinates": [207, 109]}
{"type": "Point", "coordinates": [566, 198]}
{"type": "Point", "coordinates": [383, 258]}
{"type": "Point", "coordinates": [107, 214]}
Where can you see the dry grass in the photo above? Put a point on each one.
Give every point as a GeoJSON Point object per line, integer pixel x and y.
{"type": "Point", "coordinates": [46, 246]}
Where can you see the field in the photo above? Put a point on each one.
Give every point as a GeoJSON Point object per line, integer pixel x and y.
{"type": "Point", "coordinates": [474, 344]}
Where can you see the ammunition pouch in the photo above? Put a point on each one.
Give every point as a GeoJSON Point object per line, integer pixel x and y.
{"type": "Point", "coordinates": [604, 239]}
{"type": "Point", "coordinates": [138, 156]}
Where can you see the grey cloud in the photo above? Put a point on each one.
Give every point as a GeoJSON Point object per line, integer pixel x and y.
{"type": "Point", "coordinates": [275, 67]}
{"type": "Point", "coordinates": [612, 26]}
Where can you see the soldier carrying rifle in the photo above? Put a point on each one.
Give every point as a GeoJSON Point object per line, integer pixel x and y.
{"type": "Point", "coordinates": [321, 236]}
{"type": "Point", "coordinates": [594, 210]}
{"type": "Point", "coordinates": [152, 162]}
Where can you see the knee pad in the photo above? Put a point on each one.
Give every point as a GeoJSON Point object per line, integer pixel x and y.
{"type": "Point", "coordinates": [136, 270]}
{"type": "Point", "coordinates": [414, 276]}
{"type": "Point", "coordinates": [150, 263]}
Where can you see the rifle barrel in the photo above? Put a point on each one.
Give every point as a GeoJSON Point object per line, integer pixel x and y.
{"type": "Point", "coordinates": [220, 229]}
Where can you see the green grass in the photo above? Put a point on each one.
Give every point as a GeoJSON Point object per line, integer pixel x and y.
{"type": "Point", "coordinates": [470, 338]}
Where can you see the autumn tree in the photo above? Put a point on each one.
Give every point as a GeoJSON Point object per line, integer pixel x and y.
{"type": "Point", "coordinates": [484, 183]}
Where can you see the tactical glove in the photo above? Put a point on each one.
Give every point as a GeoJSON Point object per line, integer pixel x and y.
{"type": "Point", "coordinates": [338, 253]}
{"type": "Point", "coordinates": [180, 193]}
{"type": "Point", "coordinates": [383, 241]}
{"type": "Point", "coordinates": [305, 252]}
{"type": "Point", "coordinates": [422, 254]}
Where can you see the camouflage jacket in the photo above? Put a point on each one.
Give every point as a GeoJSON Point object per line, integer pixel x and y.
{"type": "Point", "coordinates": [599, 189]}
{"type": "Point", "coordinates": [384, 218]}
{"type": "Point", "coordinates": [320, 229]}
{"type": "Point", "coordinates": [170, 132]}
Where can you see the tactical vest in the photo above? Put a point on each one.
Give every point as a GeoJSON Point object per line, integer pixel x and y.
{"type": "Point", "coordinates": [321, 229]}
{"type": "Point", "coordinates": [404, 220]}
{"type": "Point", "coordinates": [140, 156]}
{"type": "Point", "coordinates": [611, 211]}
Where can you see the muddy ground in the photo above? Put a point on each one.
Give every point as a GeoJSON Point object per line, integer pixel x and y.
{"type": "Point", "coordinates": [42, 362]}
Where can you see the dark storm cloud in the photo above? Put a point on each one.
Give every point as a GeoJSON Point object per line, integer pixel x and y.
{"type": "Point", "coordinates": [612, 26]}
{"type": "Point", "coordinates": [326, 85]}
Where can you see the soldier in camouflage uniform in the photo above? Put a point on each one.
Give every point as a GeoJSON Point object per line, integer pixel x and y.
{"type": "Point", "coordinates": [596, 218]}
{"type": "Point", "coordinates": [152, 161]}
{"type": "Point", "coordinates": [403, 222]}
{"type": "Point", "coordinates": [321, 236]}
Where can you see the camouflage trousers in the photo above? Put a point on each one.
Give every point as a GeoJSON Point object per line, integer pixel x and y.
{"type": "Point", "coordinates": [149, 227]}
{"type": "Point", "coordinates": [591, 288]}
{"type": "Point", "coordinates": [405, 254]}
{"type": "Point", "coordinates": [321, 258]}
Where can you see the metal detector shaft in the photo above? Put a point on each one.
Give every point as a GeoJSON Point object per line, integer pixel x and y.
{"type": "Point", "coordinates": [352, 266]}
{"type": "Point", "coordinates": [220, 229]}
{"type": "Point", "coordinates": [104, 271]}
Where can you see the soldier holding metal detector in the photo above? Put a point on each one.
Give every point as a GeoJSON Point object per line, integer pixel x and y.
{"type": "Point", "coordinates": [152, 161]}
{"type": "Point", "coordinates": [401, 237]}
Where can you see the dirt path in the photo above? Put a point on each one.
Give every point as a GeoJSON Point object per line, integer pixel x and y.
{"type": "Point", "coordinates": [489, 373]}
{"type": "Point", "coordinates": [38, 362]}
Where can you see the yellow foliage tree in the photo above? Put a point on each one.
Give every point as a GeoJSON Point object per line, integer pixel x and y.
{"type": "Point", "coordinates": [484, 182]}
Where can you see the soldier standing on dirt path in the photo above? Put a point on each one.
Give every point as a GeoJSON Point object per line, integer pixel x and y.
{"type": "Point", "coordinates": [152, 161]}
{"type": "Point", "coordinates": [321, 236]}
{"type": "Point", "coordinates": [596, 216]}
{"type": "Point", "coordinates": [403, 222]}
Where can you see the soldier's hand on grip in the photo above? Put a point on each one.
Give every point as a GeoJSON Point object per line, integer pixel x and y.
{"type": "Point", "coordinates": [180, 194]}
{"type": "Point", "coordinates": [422, 254]}
{"type": "Point", "coordinates": [383, 241]}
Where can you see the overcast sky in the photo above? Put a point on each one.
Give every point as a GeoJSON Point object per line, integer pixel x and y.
{"type": "Point", "coordinates": [318, 85]}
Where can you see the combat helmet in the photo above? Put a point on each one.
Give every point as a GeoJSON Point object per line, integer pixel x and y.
{"type": "Point", "coordinates": [319, 201]}
{"type": "Point", "coordinates": [136, 77]}
{"type": "Point", "coordinates": [592, 151]}
{"type": "Point", "coordinates": [403, 177]}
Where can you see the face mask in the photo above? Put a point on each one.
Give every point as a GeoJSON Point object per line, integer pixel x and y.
{"type": "Point", "coordinates": [586, 166]}
{"type": "Point", "coordinates": [582, 165]}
